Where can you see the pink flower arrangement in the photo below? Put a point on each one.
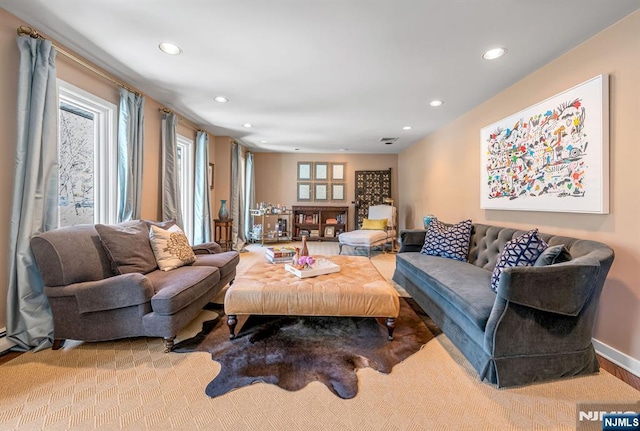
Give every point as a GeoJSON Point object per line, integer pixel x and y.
{"type": "Point", "coordinates": [306, 261]}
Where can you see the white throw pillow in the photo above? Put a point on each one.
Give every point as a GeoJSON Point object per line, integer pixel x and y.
{"type": "Point", "coordinates": [171, 247]}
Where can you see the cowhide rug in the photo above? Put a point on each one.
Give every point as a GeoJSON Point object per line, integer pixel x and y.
{"type": "Point", "coordinates": [293, 351]}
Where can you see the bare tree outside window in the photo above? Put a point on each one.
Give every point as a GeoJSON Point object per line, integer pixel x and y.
{"type": "Point", "coordinates": [76, 170]}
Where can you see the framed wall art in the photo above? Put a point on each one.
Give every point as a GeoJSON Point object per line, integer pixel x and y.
{"type": "Point", "coordinates": [305, 191]}
{"type": "Point", "coordinates": [337, 171]}
{"type": "Point", "coordinates": [321, 171]}
{"type": "Point", "coordinates": [552, 156]}
{"type": "Point", "coordinates": [304, 171]}
{"type": "Point", "coordinates": [321, 192]}
{"type": "Point", "coordinates": [210, 175]}
{"type": "Point", "coordinates": [337, 192]}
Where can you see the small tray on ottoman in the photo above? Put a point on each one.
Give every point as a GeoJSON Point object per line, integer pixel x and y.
{"type": "Point", "coordinates": [321, 267]}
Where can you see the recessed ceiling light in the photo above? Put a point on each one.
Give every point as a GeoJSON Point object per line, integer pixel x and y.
{"type": "Point", "coordinates": [247, 125]}
{"type": "Point", "coordinates": [296, 149]}
{"type": "Point", "coordinates": [344, 149]}
{"type": "Point", "coordinates": [170, 48]}
{"type": "Point", "coordinates": [435, 103]}
{"type": "Point", "coordinates": [264, 142]}
{"type": "Point", "coordinates": [494, 53]}
{"type": "Point", "coordinates": [407, 128]}
{"type": "Point", "coordinates": [221, 99]}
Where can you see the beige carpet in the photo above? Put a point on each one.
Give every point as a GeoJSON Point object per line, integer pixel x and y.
{"type": "Point", "coordinates": [131, 384]}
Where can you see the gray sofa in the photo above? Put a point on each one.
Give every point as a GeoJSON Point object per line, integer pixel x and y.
{"type": "Point", "coordinates": [539, 324]}
{"type": "Point", "coordinates": [92, 301]}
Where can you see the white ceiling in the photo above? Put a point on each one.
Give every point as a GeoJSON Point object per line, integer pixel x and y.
{"type": "Point", "coordinates": [320, 75]}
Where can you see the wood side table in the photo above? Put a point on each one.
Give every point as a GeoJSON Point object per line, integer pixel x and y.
{"type": "Point", "coordinates": [222, 233]}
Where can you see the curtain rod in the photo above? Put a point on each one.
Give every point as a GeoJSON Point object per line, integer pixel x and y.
{"type": "Point", "coordinates": [169, 111]}
{"type": "Point", "coordinates": [28, 31]}
{"type": "Point", "coordinates": [192, 125]}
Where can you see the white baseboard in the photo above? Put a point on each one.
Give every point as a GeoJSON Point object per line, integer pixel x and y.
{"type": "Point", "coordinates": [617, 357]}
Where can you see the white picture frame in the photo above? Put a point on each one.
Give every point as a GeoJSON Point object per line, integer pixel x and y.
{"type": "Point", "coordinates": [552, 156]}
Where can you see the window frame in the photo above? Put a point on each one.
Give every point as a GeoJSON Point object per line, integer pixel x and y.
{"type": "Point", "coordinates": [105, 162]}
{"type": "Point", "coordinates": [187, 177]}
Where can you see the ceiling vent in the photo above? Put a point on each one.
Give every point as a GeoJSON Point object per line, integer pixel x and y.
{"type": "Point", "coordinates": [388, 141]}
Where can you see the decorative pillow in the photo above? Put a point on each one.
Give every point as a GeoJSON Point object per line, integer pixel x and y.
{"type": "Point", "coordinates": [368, 224]}
{"type": "Point", "coordinates": [128, 248]}
{"type": "Point", "coordinates": [553, 254]}
{"type": "Point", "coordinates": [426, 220]}
{"type": "Point", "coordinates": [166, 224]}
{"type": "Point", "coordinates": [448, 241]}
{"type": "Point", "coordinates": [521, 251]}
{"type": "Point", "coordinates": [171, 247]}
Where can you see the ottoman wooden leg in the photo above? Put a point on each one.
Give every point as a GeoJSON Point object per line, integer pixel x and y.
{"type": "Point", "coordinates": [231, 323]}
{"type": "Point", "coordinates": [391, 325]}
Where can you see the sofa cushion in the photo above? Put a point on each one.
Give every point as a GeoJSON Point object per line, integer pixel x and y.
{"type": "Point", "coordinates": [166, 224]}
{"type": "Point", "coordinates": [462, 285]}
{"type": "Point", "coordinates": [520, 251]}
{"type": "Point", "coordinates": [379, 224]}
{"type": "Point", "coordinates": [226, 262]}
{"type": "Point", "coordinates": [175, 290]}
{"type": "Point", "coordinates": [448, 241]}
{"type": "Point", "coordinates": [171, 247]}
{"type": "Point", "coordinates": [128, 248]}
{"type": "Point", "coordinates": [554, 254]}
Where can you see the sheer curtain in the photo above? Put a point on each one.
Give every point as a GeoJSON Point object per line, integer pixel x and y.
{"type": "Point", "coordinates": [130, 154]}
{"type": "Point", "coordinates": [250, 193]}
{"type": "Point", "coordinates": [35, 193]}
{"type": "Point", "coordinates": [242, 194]}
{"type": "Point", "coordinates": [170, 171]}
{"type": "Point", "coordinates": [237, 205]}
{"type": "Point", "coordinates": [202, 197]}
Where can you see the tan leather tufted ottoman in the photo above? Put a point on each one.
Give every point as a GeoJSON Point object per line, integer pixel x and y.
{"type": "Point", "coordinates": [358, 290]}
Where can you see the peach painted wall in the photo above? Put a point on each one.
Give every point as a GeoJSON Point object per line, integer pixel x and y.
{"type": "Point", "coordinates": [77, 75]}
{"type": "Point", "coordinates": [276, 175]}
{"type": "Point", "coordinates": [222, 173]}
{"type": "Point", "coordinates": [440, 174]}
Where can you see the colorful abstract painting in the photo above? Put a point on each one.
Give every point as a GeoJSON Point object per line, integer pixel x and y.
{"type": "Point", "coordinates": [552, 156]}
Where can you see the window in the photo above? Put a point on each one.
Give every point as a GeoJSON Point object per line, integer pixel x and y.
{"type": "Point", "coordinates": [87, 158]}
{"type": "Point", "coordinates": [186, 179]}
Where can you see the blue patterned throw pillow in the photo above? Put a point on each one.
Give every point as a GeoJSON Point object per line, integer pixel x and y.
{"type": "Point", "coordinates": [448, 241]}
{"type": "Point", "coordinates": [521, 251]}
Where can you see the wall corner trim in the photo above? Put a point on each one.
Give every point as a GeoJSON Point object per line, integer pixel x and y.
{"type": "Point", "coordinates": [622, 360]}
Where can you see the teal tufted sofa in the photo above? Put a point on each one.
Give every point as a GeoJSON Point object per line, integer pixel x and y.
{"type": "Point", "coordinates": [537, 327]}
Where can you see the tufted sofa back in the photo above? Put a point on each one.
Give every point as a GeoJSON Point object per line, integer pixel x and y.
{"type": "Point", "coordinates": [487, 242]}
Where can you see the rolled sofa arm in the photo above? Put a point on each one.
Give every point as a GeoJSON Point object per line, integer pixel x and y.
{"type": "Point", "coordinates": [411, 240]}
{"type": "Point", "coordinates": [108, 294]}
{"type": "Point", "coordinates": [562, 288]}
{"type": "Point", "coordinates": [207, 248]}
